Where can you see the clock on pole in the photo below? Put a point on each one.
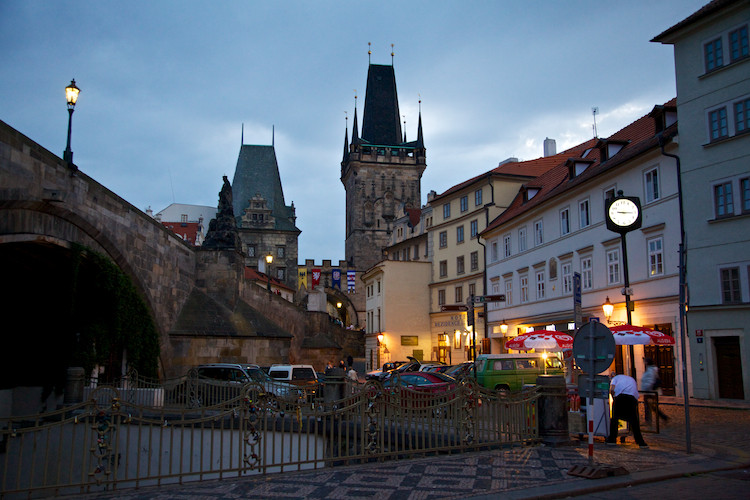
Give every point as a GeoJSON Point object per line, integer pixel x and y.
{"type": "Point", "coordinates": [623, 213]}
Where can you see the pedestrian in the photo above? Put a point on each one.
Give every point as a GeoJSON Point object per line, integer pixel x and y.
{"type": "Point", "coordinates": [352, 374]}
{"type": "Point", "coordinates": [329, 368]}
{"type": "Point", "coordinates": [625, 407]}
{"type": "Point", "coordinates": [651, 382]}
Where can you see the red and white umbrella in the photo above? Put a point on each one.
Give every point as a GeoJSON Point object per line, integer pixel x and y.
{"type": "Point", "coordinates": [638, 335]}
{"type": "Point", "coordinates": [547, 340]}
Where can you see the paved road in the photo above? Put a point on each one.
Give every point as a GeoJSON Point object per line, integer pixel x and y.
{"type": "Point", "coordinates": [720, 441]}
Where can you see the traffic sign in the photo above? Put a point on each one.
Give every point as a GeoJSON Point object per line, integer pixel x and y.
{"type": "Point", "coordinates": [453, 308]}
{"type": "Point", "coordinates": [478, 299]}
{"type": "Point", "coordinates": [593, 347]}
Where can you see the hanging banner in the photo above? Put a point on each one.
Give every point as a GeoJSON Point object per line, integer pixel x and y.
{"type": "Point", "coordinates": [302, 278]}
{"type": "Point", "coordinates": [336, 278]}
{"type": "Point", "coordinates": [350, 275]}
{"type": "Point", "coordinates": [315, 277]}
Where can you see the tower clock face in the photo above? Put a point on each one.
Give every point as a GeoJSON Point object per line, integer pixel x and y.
{"type": "Point", "coordinates": [623, 212]}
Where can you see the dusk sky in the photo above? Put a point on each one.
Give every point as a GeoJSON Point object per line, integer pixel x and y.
{"type": "Point", "coordinates": [166, 86]}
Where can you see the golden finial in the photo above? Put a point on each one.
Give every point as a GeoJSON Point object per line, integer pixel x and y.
{"type": "Point", "coordinates": [391, 54]}
{"type": "Point", "coordinates": [369, 52]}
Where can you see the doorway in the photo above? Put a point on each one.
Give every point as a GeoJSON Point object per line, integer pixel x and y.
{"type": "Point", "coordinates": [729, 367]}
{"type": "Point", "coordinates": [663, 356]}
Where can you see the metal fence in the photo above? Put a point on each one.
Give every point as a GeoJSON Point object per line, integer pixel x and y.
{"type": "Point", "coordinates": [109, 443]}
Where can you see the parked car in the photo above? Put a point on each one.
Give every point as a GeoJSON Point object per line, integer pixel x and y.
{"type": "Point", "coordinates": [223, 381]}
{"type": "Point", "coordinates": [431, 366]}
{"type": "Point", "coordinates": [461, 370]}
{"type": "Point", "coordinates": [376, 374]}
{"type": "Point", "coordinates": [303, 377]}
{"type": "Point", "coordinates": [411, 366]}
{"type": "Point", "coordinates": [422, 381]}
{"type": "Point", "coordinates": [513, 371]}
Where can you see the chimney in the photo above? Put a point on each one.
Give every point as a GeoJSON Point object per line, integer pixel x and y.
{"type": "Point", "coordinates": [550, 147]}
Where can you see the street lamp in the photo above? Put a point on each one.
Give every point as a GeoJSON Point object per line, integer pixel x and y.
{"type": "Point", "coordinates": [503, 327]}
{"type": "Point", "coordinates": [269, 261]}
{"type": "Point", "coordinates": [608, 308]}
{"type": "Point", "coordinates": [71, 95]}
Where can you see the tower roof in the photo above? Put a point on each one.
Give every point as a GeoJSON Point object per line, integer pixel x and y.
{"type": "Point", "coordinates": [381, 123]}
{"type": "Point", "coordinates": [258, 172]}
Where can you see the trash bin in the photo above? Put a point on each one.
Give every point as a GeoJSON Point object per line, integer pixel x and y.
{"type": "Point", "coordinates": [553, 410]}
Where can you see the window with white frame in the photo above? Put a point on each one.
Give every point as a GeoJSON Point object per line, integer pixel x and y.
{"type": "Point", "coordinates": [538, 233]}
{"type": "Point", "coordinates": [464, 203]}
{"type": "Point", "coordinates": [540, 284]}
{"type": "Point", "coordinates": [723, 201]}
{"type": "Point", "coordinates": [730, 285]}
{"type": "Point", "coordinates": [566, 270]}
{"type": "Point", "coordinates": [587, 274]}
{"type": "Point", "coordinates": [655, 256]}
{"type": "Point", "coordinates": [509, 292]}
{"type": "Point", "coordinates": [524, 281]}
{"type": "Point", "coordinates": [506, 246]}
{"type": "Point", "coordinates": [651, 182]}
{"type": "Point", "coordinates": [717, 124]}
{"type": "Point", "coordinates": [745, 194]}
{"type": "Point", "coordinates": [446, 211]}
{"type": "Point", "coordinates": [459, 294]}
{"type": "Point", "coordinates": [443, 268]}
{"type": "Point", "coordinates": [738, 46]}
{"type": "Point", "coordinates": [441, 297]}
{"type": "Point", "coordinates": [613, 266]}
{"type": "Point", "coordinates": [474, 260]}
{"type": "Point", "coordinates": [460, 234]}
{"type": "Point", "coordinates": [477, 197]}
{"type": "Point", "coordinates": [713, 55]}
{"type": "Point", "coordinates": [583, 213]}
{"type": "Point", "coordinates": [564, 221]}
{"type": "Point", "coordinates": [460, 264]}
{"type": "Point", "coordinates": [522, 239]}
{"type": "Point", "coordinates": [493, 251]}
{"type": "Point", "coordinates": [443, 239]}
{"type": "Point", "coordinates": [474, 225]}
{"type": "Point", "coordinates": [609, 193]}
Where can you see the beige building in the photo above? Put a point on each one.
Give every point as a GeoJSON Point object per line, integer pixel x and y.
{"type": "Point", "coordinates": [397, 321]}
{"type": "Point", "coordinates": [712, 64]}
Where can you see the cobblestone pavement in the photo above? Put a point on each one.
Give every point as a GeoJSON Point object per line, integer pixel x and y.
{"type": "Point", "coordinates": [720, 437]}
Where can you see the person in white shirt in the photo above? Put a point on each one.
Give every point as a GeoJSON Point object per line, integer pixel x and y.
{"type": "Point", "coordinates": [625, 407]}
{"type": "Point", "coordinates": [650, 381]}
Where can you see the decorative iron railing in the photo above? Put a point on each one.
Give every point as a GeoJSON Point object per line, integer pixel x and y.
{"type": "Point", "coordinates": [109, 443]}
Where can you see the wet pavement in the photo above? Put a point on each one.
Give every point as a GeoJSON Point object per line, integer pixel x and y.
{"type": "Point", "coordinates": [720, 440]}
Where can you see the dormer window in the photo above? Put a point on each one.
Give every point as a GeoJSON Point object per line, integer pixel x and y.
{"type": "Point", "coordinates": [529, 193]}
{"type": "Point", "coordinates": [576, 166]}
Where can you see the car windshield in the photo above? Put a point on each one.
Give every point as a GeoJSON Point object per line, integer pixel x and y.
{"type": "Point", "coordinates": [443, 377]}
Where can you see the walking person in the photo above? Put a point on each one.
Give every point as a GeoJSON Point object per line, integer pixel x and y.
{"type": "Point", "coordinates": [625, 407]}
{"type": "Point", "coordinates": [651, 382]}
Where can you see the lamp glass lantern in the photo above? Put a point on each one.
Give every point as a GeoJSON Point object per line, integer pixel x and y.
{"type": "Point", "coordinates": [608, 308]}
{"type": "Point", "coordinates": [71, 96]}
{"type": "Point", "coordinates": [503, 327]}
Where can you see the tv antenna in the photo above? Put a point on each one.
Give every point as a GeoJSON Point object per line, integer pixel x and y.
{"type": "Point", "coordinates": [594, 111]}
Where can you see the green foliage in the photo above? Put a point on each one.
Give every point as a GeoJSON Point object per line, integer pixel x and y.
{"type": "Point", "coordinates": [108, 316]}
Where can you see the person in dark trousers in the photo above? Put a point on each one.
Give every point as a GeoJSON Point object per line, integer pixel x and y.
{"type": "Point", "coordinates": [651, 382]}
{"type": "Point", "coordinates": [625, 407]}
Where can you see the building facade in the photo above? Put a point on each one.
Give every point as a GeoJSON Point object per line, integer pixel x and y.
{"type": "Point", "coordinates": [712, 64]}
{"type": "Point", "coordinates": [552, 244]}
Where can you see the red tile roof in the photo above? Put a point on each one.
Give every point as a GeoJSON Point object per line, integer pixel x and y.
{"type": "Point", "coordinates": [637, 137]}
{"type": "Point", "coordinates": [255, 275]}
{"type": "Point", "coordinates": [188, 231]}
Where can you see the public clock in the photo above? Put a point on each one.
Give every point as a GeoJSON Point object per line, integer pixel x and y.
{"type": "Point", "coordinates": [623, 214]}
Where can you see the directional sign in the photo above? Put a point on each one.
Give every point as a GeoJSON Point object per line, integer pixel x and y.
{"type": "Point", "coordinates": [453, 308]}
{"type": "Point", "coordinates": [594, 347]}
{"type": "Point", "coordinates": [600, 386]}
{"type": "Point", "coordinates": [478, 299]}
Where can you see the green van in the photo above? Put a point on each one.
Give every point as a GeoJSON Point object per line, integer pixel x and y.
{"type": "Point", "coordinates": [513, 371]}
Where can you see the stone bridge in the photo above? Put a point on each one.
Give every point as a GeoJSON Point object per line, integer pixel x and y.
{"type": "Point", "coordinates": [47, 205]}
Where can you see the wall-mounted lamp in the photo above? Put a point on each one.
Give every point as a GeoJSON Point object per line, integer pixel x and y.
{"type": "Point", "coordinates": [608, 308]}
{"type": "Point", "coordinates": [381, 337]}
{"type": "Point", "coordinates": [503, 327]}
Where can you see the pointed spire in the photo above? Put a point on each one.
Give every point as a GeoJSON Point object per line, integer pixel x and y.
{"type": "Point", "coordinates": [404, 128]}
{"type": "Point", "coordinates": [369, 53]}
{"type": "Point", "coordinates": [273, 135]}
{"type": "Point", "coordinates": [420, 140]}
{"type": "Point", "coordinates": [346, 138]}
{"type": "Point", "coordinates": [355, 131]}
{"type": "Point", "coordinates": [242, 135]}
{"type": "Point", "coordinates": [391, 54]}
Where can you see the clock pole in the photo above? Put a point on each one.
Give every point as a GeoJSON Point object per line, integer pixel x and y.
{"type": "Point", "coordinates": [631, 351]}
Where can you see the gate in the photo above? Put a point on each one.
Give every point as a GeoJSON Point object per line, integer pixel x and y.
{"type": "Point", "coordinates": [107, 443]}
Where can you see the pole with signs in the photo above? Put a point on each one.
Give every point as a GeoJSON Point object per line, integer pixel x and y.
{"type": "Point", "coordinates": [594, 351]}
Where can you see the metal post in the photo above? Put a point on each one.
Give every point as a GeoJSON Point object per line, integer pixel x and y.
{"type": "Point", "coordinates": [68, 154]}
{"type": "Point", "coordinates": [631, 351]}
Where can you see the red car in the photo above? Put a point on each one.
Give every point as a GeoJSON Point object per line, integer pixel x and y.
{"type": "Point", "coordinates": [431, 382]}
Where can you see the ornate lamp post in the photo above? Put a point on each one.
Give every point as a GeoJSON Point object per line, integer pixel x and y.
{"type": "Point", "coordinates": [71, 95]}
{"type": "Point", "coordinates": [269, 261]}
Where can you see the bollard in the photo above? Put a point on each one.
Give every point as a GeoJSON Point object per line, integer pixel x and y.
{"type": "Point", "coordinates": [74, 385]}
{"type": "Point", "coordinates": [333, 388]}
{"type": "Point", "coordinates": [553, 410]}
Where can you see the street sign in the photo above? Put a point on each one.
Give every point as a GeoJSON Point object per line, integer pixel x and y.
{"type": "Point", "coordinates": [593, 347]}
{"type": "Point", "coordinates": [600, 385]}
{"type": "Point", "coordinates": [453, 308]}
{"type": "Point", "coordinates": [479, 299]}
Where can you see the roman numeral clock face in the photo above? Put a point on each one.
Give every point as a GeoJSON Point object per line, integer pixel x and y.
{"type": "Point", "coordinates": [623, 212]}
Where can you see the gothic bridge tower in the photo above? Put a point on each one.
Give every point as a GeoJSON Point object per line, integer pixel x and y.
{"type": "Point", "coordinates": [380, 170]}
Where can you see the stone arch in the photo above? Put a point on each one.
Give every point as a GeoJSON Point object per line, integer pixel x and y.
{"type": "Point", "coordinates": [334, 295]}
